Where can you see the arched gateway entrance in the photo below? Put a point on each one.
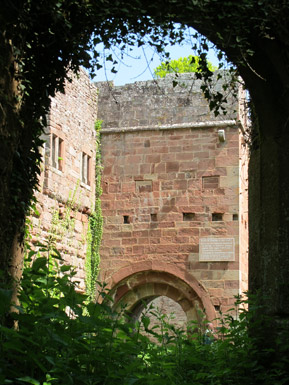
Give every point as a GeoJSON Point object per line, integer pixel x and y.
{"type": "Point", "coordinates": [140, 283]}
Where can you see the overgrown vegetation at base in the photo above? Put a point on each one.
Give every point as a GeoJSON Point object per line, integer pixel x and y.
{"type": "Point", "coordinates": [61, 338]}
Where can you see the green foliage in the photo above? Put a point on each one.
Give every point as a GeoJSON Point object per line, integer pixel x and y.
{"type": "Point", "coordinates": [94, 232]}
{"type": "Point", "coordinates": [41, 41]}
{"type": "Point", "coordinates": [61, 338]}
{"type": "Point", "coordinates": [181, 65]}
{"type": "Point", "coordinates": [62, 226]}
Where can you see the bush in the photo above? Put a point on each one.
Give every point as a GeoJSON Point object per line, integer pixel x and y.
{"type": "Point", "coordinates": [61, 338]}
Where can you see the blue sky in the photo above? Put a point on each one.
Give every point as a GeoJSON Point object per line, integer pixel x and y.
{"type": "Point", "coordinates": [139, 64]}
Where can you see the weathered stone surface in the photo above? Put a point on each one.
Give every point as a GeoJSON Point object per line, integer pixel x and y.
{"type": "Point", "coordinates": [172, 138]}
{"type": "Point", "coordinates": [165, 174]}
{"type": "Point", "coordinates": [64, 199]}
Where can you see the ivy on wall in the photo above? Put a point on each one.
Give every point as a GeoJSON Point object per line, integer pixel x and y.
{"type": "Point", "coordinates": [63, 223]}
{"type": "Point", "coordinates": [94, 232]}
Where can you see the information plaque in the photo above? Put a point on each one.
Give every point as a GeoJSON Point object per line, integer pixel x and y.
{"type": "Point", "coordinates": [217, 249]}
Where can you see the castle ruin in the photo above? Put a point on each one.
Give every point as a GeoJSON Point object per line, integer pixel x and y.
{"type": "Point", "coordinates": [174, 197]}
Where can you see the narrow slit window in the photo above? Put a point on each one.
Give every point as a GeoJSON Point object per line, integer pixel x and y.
{"type": "Point", "coordinates": [154, 217]}
{"type": "Point", "coordinates": [216, 217]}
{"type": "Point", "coordinates": [57, 147]}
{"type": "Point", "coordinates": [126, 219]}
{"type": "Point", "coordinates": [85, 168]}
{"type": "Point", "coordinates": [188, 216]}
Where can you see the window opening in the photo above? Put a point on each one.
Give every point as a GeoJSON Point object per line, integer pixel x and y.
{"type": "Point", "coordinates": [217, 217]}
{"type": "Point", "coordinates": [235, 217]}
{"type": "Point", "coordinates": [85, 168]}
{"type": "Point", "coordinates": [126, 219]}
{"type": "Point", "coordinates": [188, 216]}
{"type": "Point", "coordinates": [57, 152]}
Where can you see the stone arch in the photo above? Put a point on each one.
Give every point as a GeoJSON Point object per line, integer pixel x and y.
{"type": "Point", "coordinates": [141, 282]}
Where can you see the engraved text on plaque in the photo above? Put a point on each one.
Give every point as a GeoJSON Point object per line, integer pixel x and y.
{"type": "Point", "coordinates": [217, 249]}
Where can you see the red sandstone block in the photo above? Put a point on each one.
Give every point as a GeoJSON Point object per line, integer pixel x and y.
{"type": "Point", "coordinates": [128, 241]}
{"type": "Point", "coordinates": [141, 226]}
{"type": "Point", "coordinates": [179, 240]}
{"type": "Point", "coordinates": [180, 185]}
{"type": "Point", "coordinates": [145, 168]}
{"type": "Point", "coordinates": [122, 234]}
{"type": "Point", "coordinates": [166, 209]}
{"type": "Point", "coordinates": [121, 291]}
{"type": "Point", "coordinates": [154, 158]}
{"type": "Point", "coordinates": [175, 137]}
{"type": "Point", "coordinates": [189, 166]}
{"type": "Point", "coordinates": [128, 187]}
{"type": "Point", "coordinates": [198, 266]}
{"type": "Point", "coordinates": [111, 242]}
{"type": "Point", "coordinates": [140, 233]}
{"type": "Point", "coordinates": [128, 250]}
{"type": "Point", "coordinates": [216, 292]}
{"type": "Point", "coordinates": [207, 164]}
{"type": "Point", "coordinates": [202, 154]}
{"type": "Point", "coordinates": [222, 171]}
{"type": "Point", "coordinates": [232, 284]}
{"type": "Point", "coordinates": [137, 249]}
{"type": "Point", "coordinates": [154, 241]}
{"type": "Point", "coordinates": [114, 188]}
{"type": "Point", "coordinates": [185, 156]}
{"type": "Point", "coordinates": [224, 265]}
{"type": "Point", "coordinates": [163, 249]}
{"type": "Point", "coordinates": [191, 231]}
{"type": "Point", "coordinates": [159, 168]}
{"type": "Point", "coordinates": [161, 149]}
{"type": "Point", "coordinates": [131, 169]}
{"type": "Point", "coordinates": [172, 167]}
{"type": "Point", "coordinates": [224, 161]}
{"type": "Point", "coordinates": [233, 143]}
{"type": "Point", "coordinates": [131, 159]}
{"type": "Point", "coordinates": [214, 284]}
{"type": "Point", "coordinates": [168, 232]}
{"type": "Point", "coordinates": [189, 248]}
{"type": "Point", "coordinates": [107, 170]}
{"type": "Point", "coordinates": [143, 241]}
{"type": "Point", "coordinates": [164, 225]}
{"type": "Point", "coordinates": [167, 185]}
{"type": "Point", "coordinates": [175, 149]}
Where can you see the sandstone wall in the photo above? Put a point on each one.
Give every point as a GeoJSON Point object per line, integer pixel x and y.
{"type": "Point", "coordinates": [65, 198]}
{"type": "Point", "coordinates": [168, 181]}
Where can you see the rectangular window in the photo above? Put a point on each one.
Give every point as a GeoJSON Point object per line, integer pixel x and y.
{"type": "Point", "coordinates": [57, 150]}
{"type": "Point", "coordinates": [188, 216]}
{"type": "Point", "coordinates": [126, 219]}
{"type": "Point", "coordinates": [217, 217]}
{"type": "Point", "coordinates": [85, 168]}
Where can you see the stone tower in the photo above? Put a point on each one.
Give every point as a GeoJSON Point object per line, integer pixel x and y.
{"type": "Point", "coordinates": [174, 197]}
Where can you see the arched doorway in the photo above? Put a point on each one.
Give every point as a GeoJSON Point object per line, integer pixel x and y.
{"type": "Point", "coordinates": [140, 287]}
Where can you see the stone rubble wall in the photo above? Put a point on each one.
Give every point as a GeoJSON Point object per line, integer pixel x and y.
{"type": "Point", "coordinates": [158, 102]}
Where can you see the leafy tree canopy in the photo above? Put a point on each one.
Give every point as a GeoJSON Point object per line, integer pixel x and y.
{"type": "Point", "coordinates": [181, 65]}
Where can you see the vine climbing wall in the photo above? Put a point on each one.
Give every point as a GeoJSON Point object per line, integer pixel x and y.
{"type": "Point", "coordinates": [66, 196]}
